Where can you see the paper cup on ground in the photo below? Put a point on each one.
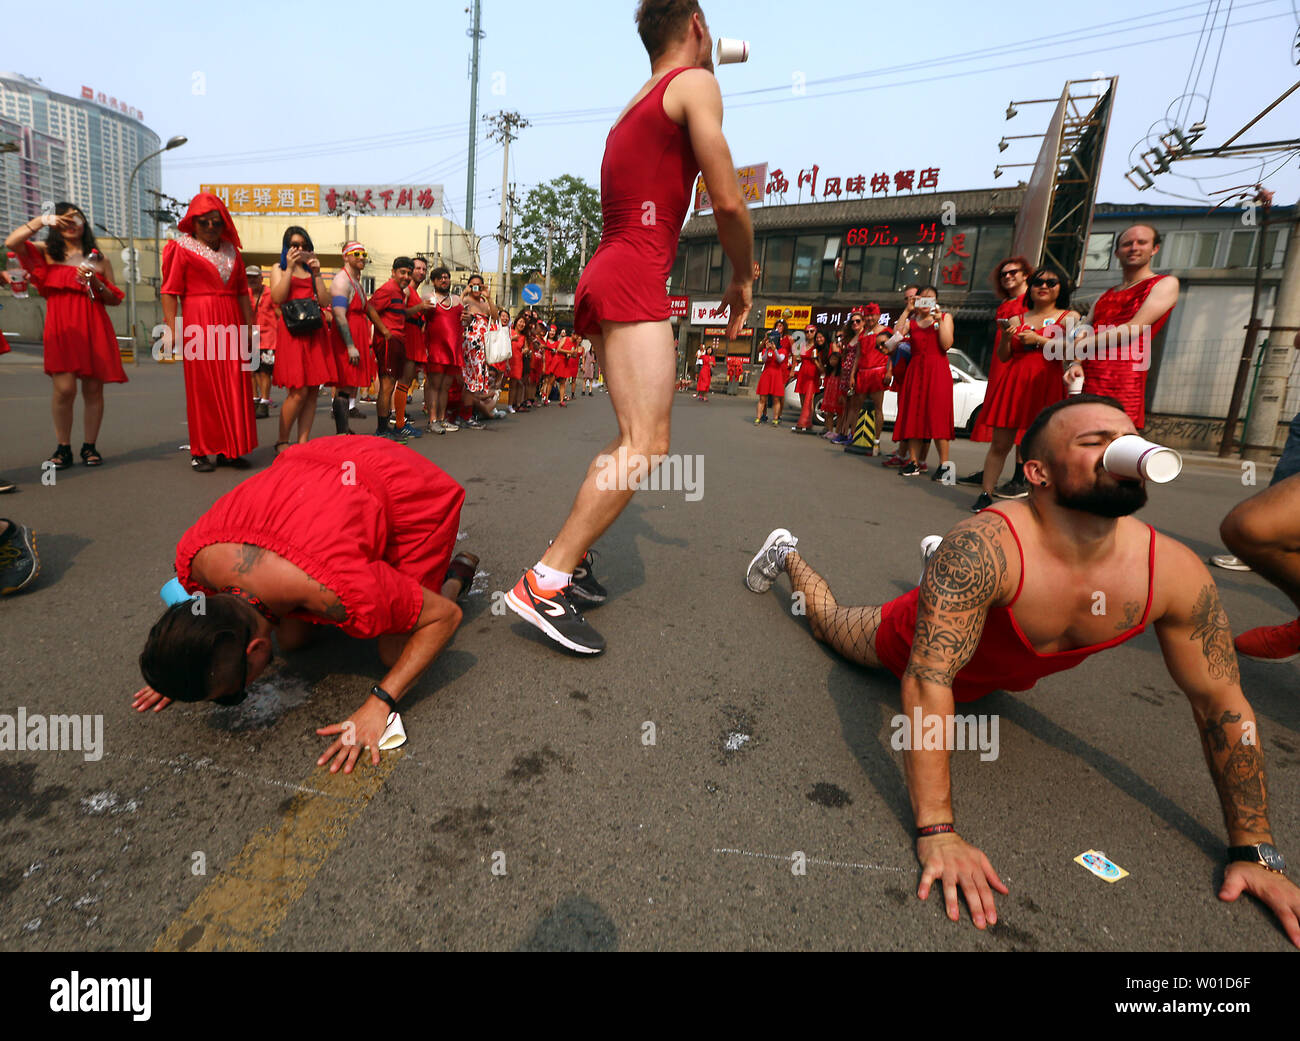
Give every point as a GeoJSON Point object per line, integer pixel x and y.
{"type": "Point", "coordinates": [732, 51]}
{"type": "Point", "coordinates": [1133, 456]}
{"type": "Point", "coordinates": [394, 735]}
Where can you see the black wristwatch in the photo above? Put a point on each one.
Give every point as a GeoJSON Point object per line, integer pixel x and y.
{"type": "Point", "coordinates": [391, 702]}
{"type": "Point", "coordinates": [1263, 853]}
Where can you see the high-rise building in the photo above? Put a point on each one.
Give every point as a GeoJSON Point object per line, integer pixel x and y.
{"type": "Point", "coordinates": [101, 140]}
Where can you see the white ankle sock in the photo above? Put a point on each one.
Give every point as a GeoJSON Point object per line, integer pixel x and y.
{"type": "Point", "coordinates": [549, 578]}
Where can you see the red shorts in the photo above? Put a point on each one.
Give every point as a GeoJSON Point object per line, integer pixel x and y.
{"type": "Point", "coordinates": [871, 381]}
{"type": "Point", "coordinates": [390, 355]}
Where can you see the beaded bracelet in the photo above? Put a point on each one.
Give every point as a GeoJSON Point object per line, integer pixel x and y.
{"type": "Point", "coordinates": [935, 829]}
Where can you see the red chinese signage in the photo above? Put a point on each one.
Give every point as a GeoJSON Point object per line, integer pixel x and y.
{"type": "Point", "coordinates": [752, 179]}
{"type": "Point", "coordinates": [679, 306]}
{"type": "Point", "coordinates": [90, 94]}
{"type": "Point", "coordinates": [859, 184]}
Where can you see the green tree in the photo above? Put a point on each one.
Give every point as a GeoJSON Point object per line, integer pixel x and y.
{"type": "Point", "coordinates": [566, 202]}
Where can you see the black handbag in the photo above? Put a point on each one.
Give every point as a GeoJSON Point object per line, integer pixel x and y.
{"type": "Point", "coordinates": [302, 316]}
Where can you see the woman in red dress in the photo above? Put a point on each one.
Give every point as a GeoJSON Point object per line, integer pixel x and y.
{"type": "Point", "coordinates": [771, 383]}
{"type": "Point", "coordinates": [1009, 282]}
{"type": "Point", "coordinates": [705, 379]}
{"type": "Point", "coordinates": [925, 404]}
{"type": "Point", "coordinates": [518, 363]}
{"type": "Point", "coordinates": [77, 284]}
{"type": "Point", "coordinates": [808, 377]}
{"type": "Point", "coordinates": [303, 361]}
{"type": "Point", "coordinates": [1030, 380]}
{"type": "Point", "coordinates": [203, 271]}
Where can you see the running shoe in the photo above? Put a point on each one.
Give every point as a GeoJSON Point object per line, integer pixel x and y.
{"type": "Point", "coordinates": [448, 426]}
{"type": "Point", "coordinates": [585, 587]}
{"type": "Point", "coordinates": [1013, 489]}
{"type": "Point", "coordinates": [1229, 562]}
{"type": "Point", "coordinates": [356, 413]}
{"type": "Point", "coordinates": [942, 469]}
{"type": "Point", "coordinates": [895, 460]}
{"type": "Point", "coordinates": [411, 430]}
{"type": "Point", "coordinates": [7, 485]}
{"type": "Point", "coordinates": [929, 547]}
{"type": "Point", "coordinates": [19, 562]}
{"type": "Point", "coordinates": [841, 439]}
{"type": "Point", "coordinates": [261, 410]}
{"type": "Point", "coordinates": [768, 562]}
{"type": "Point", "coordinates": [776, 422]}
{"type": "Point", "coordinates": [758, 421]}
{"type": "Point", "coordinates": [473, 423]}
{"type": "Point", "coordinates": [1268, 643]}
{"type": "Point", "coordinates": [434, 428]}
{"type": "Point", "coordinates": [910, 470]}
{"type": "Point", "coordinates": [552, 612]}
{"type": "Point", "coordinates": [982, 503]}
{"type": "Point", "coordinates": [977, 478]}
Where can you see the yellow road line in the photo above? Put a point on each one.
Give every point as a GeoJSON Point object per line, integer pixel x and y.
{"type": "Point", "coordinates": [241, 908]}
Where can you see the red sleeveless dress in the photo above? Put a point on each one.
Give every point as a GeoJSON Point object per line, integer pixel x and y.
{"type": "Point", "coordinates": [705, 379]}
{"type": "Point", "coordinates": [772, 380]}
{"type": "Point", "coordinates": [416, 346]}
{"type": "Point", "coordinates": [79, 335]}
{"type": "Point", "coordinates": [1119, 378]}
{"type": "Point", "coordinates": [982, 431]}
{"type": "Point", "coordinates": [306, 360]}
{"type": "Point", "coordinates": [925, 402]}
{"type": "Point", "coordinates": [443, 335]}
{"type": "Point", "coordinates": [1029, 383]}
{"type": "Point", "coordinates": [1004, 659]}
{"type": "Point", "coordinates": [362, 333]}
{"type": "Point", "coordinates": [646, 179]}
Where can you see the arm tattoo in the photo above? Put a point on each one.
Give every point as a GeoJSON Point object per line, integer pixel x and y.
{"type": "Point", "coordinates": [1238, 776]}
{"type": "Point", "coordinates": [1210, 626]}
{"type": "Point", "coordinates": [249, 556]}
{"type": "Point", "coordinates": [334, 609]}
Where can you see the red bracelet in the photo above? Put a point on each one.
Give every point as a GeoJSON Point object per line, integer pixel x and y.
{"type": "Point", "coordinates": [935, 829]}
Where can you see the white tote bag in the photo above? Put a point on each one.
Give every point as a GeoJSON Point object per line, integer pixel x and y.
{"type": "Point", "coordinates": [497, 344]}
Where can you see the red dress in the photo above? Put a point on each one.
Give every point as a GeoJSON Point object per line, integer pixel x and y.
{"type": "Point", "coordinates": [306, 360]}
{"type": "Point", "coordinates": [443, 335]}
{"type": "Point", "coordinates": [377, 542]}
{"type": "Point", "coordinates": [1029, 383]}
{"type": "Point", "coordinates": [517, 356]}
{"type": "Point", "coordinates": [925, 403]}
{"type": "Point", "coordinates": [982, 431]}
{"type": "Point", "coordinates": [808, 377]}
{"type": "Point", "coordinates": [771, 381]}
{"type": "Point", "coordinates": [79, 335]}
{"type": "Point", "coordinates": [362, 333]}
{"type": "Point", "coordinates": [218, 390]}
{"type": "Point", "coordinates": [646, 179]}
{"type": "Point", "coordinates": [706, 375]}
{"type": "Point", "coordinates": [1120, 377]}
{"type": "Point", "coordinates": [872, 366]}
{"type": "Point", "coordinates": [266, 314]}
{"type": "Point", "coordinates": [417, 349]}
{"type": "Point", "coordinates": [571, 360]}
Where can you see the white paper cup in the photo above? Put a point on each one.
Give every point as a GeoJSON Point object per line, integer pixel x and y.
{"type": "Point", "coordinates": [1074, 386]}
{"type": "Point", "coordinates": [732, 51]}
{"type": "Point", "coordinates": [1133, 456]}
{"type": "Point", "coordinates": [394, 735]}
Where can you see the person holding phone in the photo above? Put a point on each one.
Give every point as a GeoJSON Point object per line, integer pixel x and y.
{"type": "Point", "coordinates": [304, 361]}
{"type": "Point", "coordinates": [925, 404]}
{"type": "Point", "coordinates": [76, 282]}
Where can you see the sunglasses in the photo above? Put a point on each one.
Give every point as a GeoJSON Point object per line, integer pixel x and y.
{"type": "Point", "coordinates": [209, 220]}
{"type": "Point", "coordinates": [359, 253]}
{"type": "Point", "coordinates": [239, 697]}
{"type": "Point", "coordinates": [1045, 282]}
{"type": "Point", "coordinates": [1011, 272]}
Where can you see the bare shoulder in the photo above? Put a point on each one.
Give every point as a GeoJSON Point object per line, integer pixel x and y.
{"type": "Point", "coordinates": [1181, 580]}
{"type": "Point", "coordinates": [977, 562]}
{"type": "Point", "coordinates": [695, 90]}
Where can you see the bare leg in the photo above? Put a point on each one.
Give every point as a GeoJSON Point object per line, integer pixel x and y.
{"type": "Point", "coordinates": [1264, 531]}
{"type": "Point", "coordinates": [289, 409]}
{"type": "Point", "coordinates": [996, 458]}
{"type": "Point", "coordinates": [307, 415]}
{"type": "Point", "coordinates": [65, 396]}
{"type": "Point", "coordinates": [849, 631]}
{"type": "Point", "coordinates": [639, 362]}
{"type": "Point", "coordinates": [942, 445]}
{"type": "Point", "coordinates": [92, 397]}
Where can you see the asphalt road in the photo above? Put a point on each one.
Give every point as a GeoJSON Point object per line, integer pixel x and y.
{"type": "Point", "coordinates": [208, 827]}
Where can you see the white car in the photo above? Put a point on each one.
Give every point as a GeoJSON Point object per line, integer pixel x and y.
{"type": "Point", "coordinates": [969, 385]}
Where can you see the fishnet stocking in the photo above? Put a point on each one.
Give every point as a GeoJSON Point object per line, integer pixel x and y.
{"type": "Point", "coordinates": [849, 631]}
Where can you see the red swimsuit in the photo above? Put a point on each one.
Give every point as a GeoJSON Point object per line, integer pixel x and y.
{"type": "Point", "coordinates": [1004, 659]}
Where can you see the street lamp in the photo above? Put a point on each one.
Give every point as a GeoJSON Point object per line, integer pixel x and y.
{"type": "Point", "coordinates": [174, 142]}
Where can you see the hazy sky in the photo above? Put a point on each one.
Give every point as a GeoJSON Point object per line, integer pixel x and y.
{"type": "Point", "coordinates": [334, 92]}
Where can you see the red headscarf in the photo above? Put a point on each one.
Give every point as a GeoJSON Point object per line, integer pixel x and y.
{"type": "Point", "coordinates": [206, 202]}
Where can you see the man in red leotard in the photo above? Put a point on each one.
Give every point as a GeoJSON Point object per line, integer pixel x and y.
{"type": "Point", "coordinates": [1125, 320]}
{"type": "Point", "coordinates": [1009, 596]}
{"type": "Point", "coordinates": [621, 304]}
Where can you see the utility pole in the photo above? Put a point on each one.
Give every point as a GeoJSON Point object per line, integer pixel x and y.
{"type": "Point", "coordinates": [503, 126]}
{"type": "Point", "coordinates": [1270, 391]}
{"type": "Point", "coordinates": [510, 243]}
{"type": "Point", "coordinates": [550, 229]}
{"type": "Point", "coordinates": [477, 34]}
{"type": "Point", "coordinates": [583, 261]}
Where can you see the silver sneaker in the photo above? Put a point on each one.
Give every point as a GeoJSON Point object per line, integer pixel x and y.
{"type": "Point", "coordinates": [767, 563]}
{"type": "Point", "coordinates": [1229, 562]}
{"type": "Point", "coordinates": [929, 547]}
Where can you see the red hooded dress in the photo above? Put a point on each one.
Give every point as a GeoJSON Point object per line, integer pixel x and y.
{"type": "Point", "coordinates": [218, 384]}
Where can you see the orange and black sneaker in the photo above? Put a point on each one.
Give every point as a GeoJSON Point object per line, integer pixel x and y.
{"type": "Point", "coordinates": [1271, 643]}
{"type": "Point", "coordinates": [552, 611]}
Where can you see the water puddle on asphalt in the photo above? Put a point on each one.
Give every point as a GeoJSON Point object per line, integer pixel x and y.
{"type": "Point", "coordinates": [268, 700]}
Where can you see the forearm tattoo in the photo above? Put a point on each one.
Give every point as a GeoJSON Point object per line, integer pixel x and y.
{"type": "Point", "coordinates": [1238, 772]}
{"type": "Point", "coordinates": [961, 581]}
{"type": "Point", "coordinates": [1210, 627]}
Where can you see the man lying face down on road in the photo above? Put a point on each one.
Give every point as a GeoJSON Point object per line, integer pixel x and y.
{"type": "Point", "coordinates": [354, 532]}
{"type": "Point", "coordinates": [1008, 597]}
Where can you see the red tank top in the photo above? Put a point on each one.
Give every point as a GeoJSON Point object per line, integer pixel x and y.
{"type": "Point", "coordinates": [649, 162]}
{"type": "Point", "coordinates": [1004, 659]}
{"type": "Point", "coordinates": [444, 328]}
